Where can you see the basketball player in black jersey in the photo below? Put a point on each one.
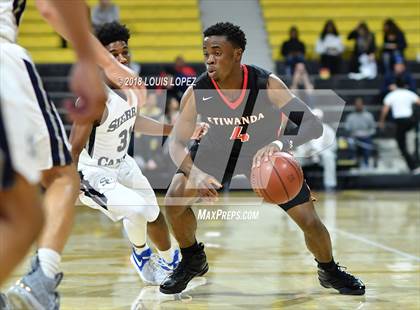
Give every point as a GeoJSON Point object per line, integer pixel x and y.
{"type": "Point", "coordinates": [241, 103]}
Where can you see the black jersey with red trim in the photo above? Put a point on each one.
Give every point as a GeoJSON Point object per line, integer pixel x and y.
{"type": "Point", "coordinates": [241, 127]}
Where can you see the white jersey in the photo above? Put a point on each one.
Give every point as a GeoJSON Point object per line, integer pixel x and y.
{"type": "Point", "coordinates": [111, 180]}
{"type": "Point", "coordinates": [10, 14]}
{"type": "Point", "coordinates": [108, 142]}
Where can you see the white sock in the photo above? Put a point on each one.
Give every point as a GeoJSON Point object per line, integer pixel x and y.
{"type": "Point", "coordinates": [139, 250]}
{"type": "Point", "coordinates": [167, 255]}
{"type": "Point", "coordinates": [136, 229]}
{"type": "Point", "coordinates": [49, 261]}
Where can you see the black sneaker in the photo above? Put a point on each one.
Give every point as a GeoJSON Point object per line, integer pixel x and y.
{"type": "Point", "coordinates": [193, 266]}
{"type": "Point", "coordinates": [342, 281]}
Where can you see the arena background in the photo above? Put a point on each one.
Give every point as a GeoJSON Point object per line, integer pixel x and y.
{"type": "Point", "coordinates": [164, 30]}
{"type": "Point", "coordinates": [372, 214]}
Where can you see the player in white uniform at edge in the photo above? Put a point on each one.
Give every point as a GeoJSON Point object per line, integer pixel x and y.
{"type": "Point", "coordinates": [38, 288]}
{"type": "Point", "coordinates": [33, 141]}
{"type": "Point", "coordinates": [111, 181]}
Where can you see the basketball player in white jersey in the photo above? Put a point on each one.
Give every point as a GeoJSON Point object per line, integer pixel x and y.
{"type": "Point", "coordinates": [114, 71]}
{"type": "Point", "coordinates": [111, 181]}
{"type": "Point", "coordinates": [26, 108]}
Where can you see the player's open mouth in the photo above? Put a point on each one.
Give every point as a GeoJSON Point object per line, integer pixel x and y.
{"type": "Point", "coordinates": [211, 71]}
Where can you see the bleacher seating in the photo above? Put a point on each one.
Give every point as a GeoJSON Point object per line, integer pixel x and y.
{"type": "Point", "coordinates": [161, 30]}
{"type": "Point", "coordinates": [310, 16]}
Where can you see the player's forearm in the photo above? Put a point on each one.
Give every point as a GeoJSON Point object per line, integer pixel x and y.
{"type": "Point", "coordinates": [88, 43]}
{"type": "Point", "coordinates": [75, 156]}
{"type": "Point", "coordinates": [70, 19]}
{"type": "Point", "coordinates": [79, 135]}
{"type": "Point", "coordinates": [121, 76]}
{"type": "Point", "coordinates": [76, 149]}
{"type": "Point", "coordinates": [50, 13]}
{"type": "Point", "coordinates": [149, 126]}
{"type": "Point", "coordinates": [179, 155]}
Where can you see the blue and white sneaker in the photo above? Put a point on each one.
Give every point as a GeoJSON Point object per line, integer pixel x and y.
{"type": "Point", "coordinates": [170, 266]}
{"type": "Point", "coordinates": [141, 262]}
{"type": "Point", "coordinates": [151, 269]}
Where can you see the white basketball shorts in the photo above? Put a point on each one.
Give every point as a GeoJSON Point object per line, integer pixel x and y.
{"type": "Point", "coordinates": [120, 192]}
{"type": "Point", "coordinates": [35, 134]}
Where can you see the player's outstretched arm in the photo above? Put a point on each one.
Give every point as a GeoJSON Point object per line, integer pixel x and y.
{"type": "Point", "coordinates": [115, 72]}
{"type": "Point", "coordinates": [182, 132]}
{"type": "Point", "coordinates": [151, 127]}
{"type": "Point", "coordinates": [74, 20]}
{"type": "Point", "coordinates": [310, 126]}
{"type": "Point", "coordinates": [79, 136]}
{"type": "Point", "coordinates": [85, 80]}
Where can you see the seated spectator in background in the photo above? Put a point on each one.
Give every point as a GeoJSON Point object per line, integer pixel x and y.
{"type": "Point", "coordinates": [153, 108]}
{"type": "Point", "coordinates": [150, 156]}
{"type": "Point", "coordinates": [393, 46]}
{"type": "Point", "coordinates": [166, 87]}
{"type": "Point", "coordinates": [104, 12]}
{"type": "Point", "coordinates": [171, 111]}
{"type": "Point", "coordinates": [321, 151]}
{"type": "Point", "coordinates": [293, 51]}
{"type": "Point", "coordinates": [301, 78]}
{"type": "Point", "coordinates": [360, 126]}
{"type": "Point", "coordinates": [400, 72]}
{"type": "Point", "coordinates": [301, 84]}
{"type": "Point", "coordinates": [363, 57]}
{"type": "Point", "coordinates": [182, 70]}
{"type": "Point", "coordinates": [330, 47]}
{"type": "Point", "coordinates": [400, 101]}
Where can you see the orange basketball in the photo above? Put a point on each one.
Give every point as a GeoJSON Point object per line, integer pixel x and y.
{"type": "Point", "coordinates": [277, 180]}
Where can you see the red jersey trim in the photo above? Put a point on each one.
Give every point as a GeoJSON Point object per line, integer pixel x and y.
{"type": "Point", "coordinates": [237, 102]}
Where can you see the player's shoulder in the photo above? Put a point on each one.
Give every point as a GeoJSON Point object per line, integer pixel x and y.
{"type": "Point", "coordinates": [259, 75]}
{"type": "Point", "coordinates": [202, 81]}
{"type": "Point", "coordinates": [188, 95]}
{"type": "Point", "coordinates": [259, 71]}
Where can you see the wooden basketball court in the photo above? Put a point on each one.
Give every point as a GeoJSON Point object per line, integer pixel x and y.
{"type": "Point", "coordinates": [260, 262]}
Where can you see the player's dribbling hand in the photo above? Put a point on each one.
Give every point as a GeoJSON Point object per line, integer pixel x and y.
{"type": "Point", "coordinates": [264, 154]}
{"type": "Point", "coordinates": [86, 83]}
{"type": "Point", "coordinates": [206, 186]}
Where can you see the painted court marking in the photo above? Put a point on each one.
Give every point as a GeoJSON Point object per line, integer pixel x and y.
{"type": "Point", "coordinates": [378, 245]}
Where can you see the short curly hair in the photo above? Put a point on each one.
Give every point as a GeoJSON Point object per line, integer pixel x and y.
{"type": "Point", "coordinates": [112, 32]}
{"type": "Point", "coordinates": [233, 33]}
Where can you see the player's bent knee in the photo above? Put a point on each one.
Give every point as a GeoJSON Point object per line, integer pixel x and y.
{"type": "Point", "coordinates": [139, 207]}
{"type": "Point", "coordinates": [152, 212]}
{"type": "Point", "coordinates": [312, 225]}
